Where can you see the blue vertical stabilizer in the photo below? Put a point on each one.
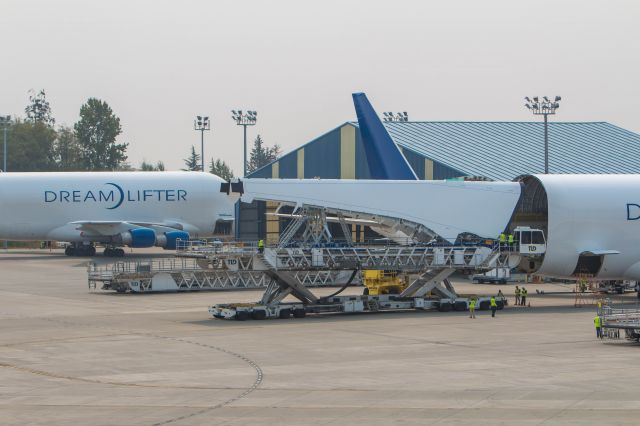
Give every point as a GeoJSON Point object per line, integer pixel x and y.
{"type": "Point", "coordinates": [383, 155]}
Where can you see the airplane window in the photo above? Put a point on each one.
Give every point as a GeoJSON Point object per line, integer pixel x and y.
{"type": "Point", "coordinates": [537, 237]}
{"type": "Point", "coordinates": [525, 237]}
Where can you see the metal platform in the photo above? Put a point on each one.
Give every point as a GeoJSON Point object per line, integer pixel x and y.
{"type": "Point", "coordinates": [428, 267]}
{"type": "Point", "coordinates": [409, 259]}
{"type": "Point", "coordinates": [196, 274]}
{"type": "Point", "coordinates": [617, 320]}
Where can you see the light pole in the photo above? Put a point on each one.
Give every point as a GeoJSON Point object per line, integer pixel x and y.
{"type": "Point", "coordinates": [201, 124]}
{"type": "Point", "coordinates": [248, 119]}
{"type": "Point", "coordinates": [401, 116]}
{"type": "Point", "coordinates": [545, 108]}
{"type": "Point", "coordinates": [5, 122]}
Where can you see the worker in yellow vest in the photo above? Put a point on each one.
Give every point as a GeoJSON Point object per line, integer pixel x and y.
{"type": "Point", "coordinates": [494, 306]}
{"type": "Point", "coordinates": [503, 240]}
{"type": "Point", "coordinates": [261, 246]}
{"type": "Point", "coordinates": [597, 321]}
{"type": "Point", "coordinates": [523, 296]}
{"type": "Point", "coordinates": [517, 291]}
{"type": "Point", "coordinates": [510, 240]}
{"type": "Point", "coordinates": [472, 308]}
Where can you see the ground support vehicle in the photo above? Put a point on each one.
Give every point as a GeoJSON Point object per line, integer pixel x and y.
{"type": "Point", "coordinates": [425, 270]}
{"type": "Point", "coordinates": [615, 320]}
{"type": "Point", "coordinates": [345, 304]}
{"type": "Point", "coordinates": [495, 276]}
{"type": "Point", "coordinates": [177, 274]}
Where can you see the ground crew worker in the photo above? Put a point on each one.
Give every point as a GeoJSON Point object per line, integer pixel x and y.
{"type": "Point", "coordinates": [503, 239]}
{"type": "Point", "coordinates": [597, 321]}
{"type": "Point", "coordinates": [523, 296]}
{"type": "Point", "coordinates": [472, 308]}
{"type": "Point", "coordinates": [510, 241]}
{"type": "Point", "coordinates": [517, 296]}
{"type": "Point", "coordinates": [494, 306]}
{"type": "Point", "coordinates": [261, 246]}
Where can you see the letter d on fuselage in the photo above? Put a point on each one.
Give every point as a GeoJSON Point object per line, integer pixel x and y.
{"type": "Point", "coordinates": [633, 211]}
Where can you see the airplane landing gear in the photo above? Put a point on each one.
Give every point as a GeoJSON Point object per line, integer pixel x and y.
{"type": "Point", "coordinates": [113, 252]}
{"type": "Point", "coordinates": [80, 250]}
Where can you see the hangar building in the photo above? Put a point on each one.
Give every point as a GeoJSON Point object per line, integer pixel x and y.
{"type": "Point", "coordinates": [450, 150]}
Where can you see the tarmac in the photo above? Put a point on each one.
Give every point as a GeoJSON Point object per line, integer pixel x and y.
{"type": "Point", "coordinates": [70, 356]}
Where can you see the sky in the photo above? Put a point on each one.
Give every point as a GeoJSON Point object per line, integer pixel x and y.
{"type": "Point", "coordinates": [160, 63]}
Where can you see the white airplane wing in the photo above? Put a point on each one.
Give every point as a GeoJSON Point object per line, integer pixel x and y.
{"type": "Point", "coordinates": [108, 228]}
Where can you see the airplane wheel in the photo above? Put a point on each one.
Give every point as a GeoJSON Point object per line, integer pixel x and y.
{"type": "Point", "coordinates": [91, 251]}
{"type": "Point", "coordinates": [119, 252]}
{"type": "Point", "coordinates": [70, 251]}
{"type": "Point", "coordinates": [299, 313]}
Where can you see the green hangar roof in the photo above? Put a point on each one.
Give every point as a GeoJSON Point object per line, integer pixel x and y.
{"type": "Point", "coordinates": [496, 150]}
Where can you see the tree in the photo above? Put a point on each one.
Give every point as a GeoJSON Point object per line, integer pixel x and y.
{"type": "Point", "coordinates": [221, 168]}
{"type": "Point", "coordinates": [97, 131]}
{"type": "Point", "coordinates": [67, 151]}
{"type": "Point", "coordinates": [148, 167]}
{"type": "Point", "coordinates": [193, 162]}
{"type": "Point", "coordinates": [30, 147]}
{"type": "Point", "coordinates": [261, 155]}
{"type": "Point", "coordinates": [39, 109]}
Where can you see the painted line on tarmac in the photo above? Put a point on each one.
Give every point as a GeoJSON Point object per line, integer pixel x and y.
{"type": "Point", "coordinates": [254, 386]}
{"type": "Point", "coordinates": [257, 382]}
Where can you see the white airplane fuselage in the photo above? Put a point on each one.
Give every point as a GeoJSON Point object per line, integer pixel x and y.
{"type": "Point", "coordinates": [98, 206]}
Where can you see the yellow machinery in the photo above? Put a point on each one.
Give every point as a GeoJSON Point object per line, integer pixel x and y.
{"type": "Point", "coordinates": [383, 282]}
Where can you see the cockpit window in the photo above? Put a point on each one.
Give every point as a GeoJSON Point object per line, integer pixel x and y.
{"type": "Point", "coordinates": [537, 237]}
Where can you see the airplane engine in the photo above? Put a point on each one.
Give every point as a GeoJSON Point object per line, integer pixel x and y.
{"type": "Point", "coordinates": [168, 240]}
{"type": "Point", "coordinates": [139, 238]}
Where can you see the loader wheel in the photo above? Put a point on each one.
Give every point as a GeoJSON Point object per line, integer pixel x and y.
{"type": "Point", "coordinates": [242, 315]}
{"type": "Point", "coordinates": [460, 306]}
{"type": "Point", "coordinates": [284, 314]}
{"type": "Point", "coordinates": [445, 307]}
{"type": "Point", "coordinates": [299, 313]}
{"type": "Point", "coordinates": [259, 314]}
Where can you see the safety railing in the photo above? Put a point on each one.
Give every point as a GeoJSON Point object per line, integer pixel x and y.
{"type": "Point", "coordinates": [132, 267]}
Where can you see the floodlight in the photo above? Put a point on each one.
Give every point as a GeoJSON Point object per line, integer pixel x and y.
{"type": "Point", "coordinates": [545, 109]}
